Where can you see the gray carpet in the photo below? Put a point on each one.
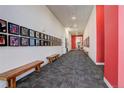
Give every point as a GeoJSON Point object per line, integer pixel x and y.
{"type": "Point", "coordinates": [72, 70]}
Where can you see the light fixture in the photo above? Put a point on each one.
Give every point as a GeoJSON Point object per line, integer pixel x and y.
{"type": "Point", "coordinates": [73, 18]}
{"type": "Point", "coordinates": [75, 25]}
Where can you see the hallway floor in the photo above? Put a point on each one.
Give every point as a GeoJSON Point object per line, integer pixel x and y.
{"type": "Point", "coordinates": [72, 70]}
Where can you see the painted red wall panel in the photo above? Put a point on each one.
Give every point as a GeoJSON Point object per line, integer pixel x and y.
{"type": "Point", "coordinates": [121, 47]}
{"type": "Point", "coordinates": [111, 44]}
{"type": "Point", "coordinates": [100, 33]}
{"type": "Point", "coordinates": [73, 42]}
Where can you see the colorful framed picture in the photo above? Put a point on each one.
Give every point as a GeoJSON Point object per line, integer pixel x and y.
{"type": "Point", "coordinates": [37, 42]}
{"type": "Point", "coordinates": [32, 42]}
{"type": "Point", "coordinates": [3, 26]}
{"type": "Point", "coordinates": [3, 40]}
{"type": "Point", "coordinates": [32, 33]}
{"type": "Point", "coordinates": [37, 34]}
{"type": "Point", "coordinates": [14, 40]}
{"type": "Point", "coordinates": [13, 28]}
{"type": "Point", "coordinates": [24, 31]}
{"type": "Point", "coordinates": [24, 41]}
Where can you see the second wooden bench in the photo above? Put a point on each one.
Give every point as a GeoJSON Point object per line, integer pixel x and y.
{"type": "Point", "coordinates": [53, 57]}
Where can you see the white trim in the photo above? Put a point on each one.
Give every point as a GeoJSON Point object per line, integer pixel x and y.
{"type": "Point", "coordinates": [107, 83]}
{"type": "Point", "coordinates": [99, 63]}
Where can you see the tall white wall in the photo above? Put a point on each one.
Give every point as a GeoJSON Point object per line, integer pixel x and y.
{"type": "Point", "coordinates": [38, 18]}
{"type": "Point", "coordinates": [68, 37]}
{"type": "Point", "coordinates": [90, 31]}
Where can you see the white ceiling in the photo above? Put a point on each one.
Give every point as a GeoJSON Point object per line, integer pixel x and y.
{"type": "Point", "coordinates": [64, 14]}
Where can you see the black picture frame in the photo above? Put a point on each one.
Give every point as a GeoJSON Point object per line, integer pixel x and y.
{"type": "Point", "coordinates": [3, 26]}
{"type": "Point", "coordinates": [31, 33]}
{"type": "Point", "coordinates": [14, 40]}
{"type": "Point", "coordinates": [32, 42]}
{"type": "Point", "coordinates": [41, 35]}
{"type": "Point", "coordinates": [45, 43]}
{"type": "Point", "coordinates": [3, 40]}
{"type": "Point", "coordinates": [13, 28]}
{"type": "Point", "coordinates": [37, 42]}
{"type": "Point", "coordinates": [24, 41]}
{"type": "Point", "coordinates": [24, 31]}
{"type": "Point", "coordinates": [44, 36]}
{"type": "Point", "coordinates": [37, 34]}
{"type": "Point", "coordinates": [41, 43]}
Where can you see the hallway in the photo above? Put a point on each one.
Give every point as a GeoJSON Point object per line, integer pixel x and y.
{"type": "Point", "coordinates": [72, 70]}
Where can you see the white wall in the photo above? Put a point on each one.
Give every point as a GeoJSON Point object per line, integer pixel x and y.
{"type": "Point", "coordinates": [90, 31]}
{"type": "Point", "coordinates": [38, 18]}
{"type": "Point", "coordinates": [68, 36]}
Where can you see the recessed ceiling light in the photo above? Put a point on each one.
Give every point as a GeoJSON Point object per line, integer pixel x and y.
{"type": "Point", "coordinates": [73, 18]}
{"type": "Point", "coordinates": [75, 25]}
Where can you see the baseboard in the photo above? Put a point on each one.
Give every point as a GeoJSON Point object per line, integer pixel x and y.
{"type": "Point", "coordinates": [107, 83]}
{"type": "Point", "coordinates": [99, 63]}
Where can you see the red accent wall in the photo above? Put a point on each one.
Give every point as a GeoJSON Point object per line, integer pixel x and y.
{"type": "Point", "coordinates": [111, 44]}
{"type": "Point", "coordinates": [73, 40]}
{"type": "Point", "coordinates": [100, 33]}
{"type": "Point", "coordinates": [121, 47]}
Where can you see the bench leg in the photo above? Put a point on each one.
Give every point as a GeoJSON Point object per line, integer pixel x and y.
{"type": "Point", "coordinates": [12, 83]}
{"type": "Point", "coordinates": [37, 68]}
{"type": "Point", "coordinates": [50, 60]}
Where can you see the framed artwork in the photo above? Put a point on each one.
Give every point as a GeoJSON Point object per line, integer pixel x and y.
{"type": "Point", "coordinates": [45, 43]}
{"type": "Point", "coordinates": [32, 42]}
{"type": "Point", "coordinates": [41, 42]}
{"type": "Point", "coordinates": [51, 43]}
{"type": "Point", "coordinates": [14, 40]}
{"type": "Point", "coordinates": [32, 33]}
{"type": "Point", "coordinates": [13, 28]}
{"type": "Point", "coordinates": [24, 41]}
{"type": "Point", "coordinates": [45, 37]}
{"type": "Point", "coordinates": [48, 37]}
{"type": "Point", "coordinates": [37, 42]}
{"type": "Point", "coordinates": [37, 34]}
{"type": "Point", "coordinates": [24, 31]}
{"type": "Point", "coordinates": [41, 35]}
{"type": "Point", "coordinates": [48, 43]}
{"type": "Point", "coordinates": [3, 26]}
{"type": "Point", "coordinates": [88, 42]}
{"type": "Point", "coordinates": [3, 40]}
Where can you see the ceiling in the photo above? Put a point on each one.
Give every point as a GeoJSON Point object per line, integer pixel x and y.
{"type": "Point", "coordinates": [74, 17]}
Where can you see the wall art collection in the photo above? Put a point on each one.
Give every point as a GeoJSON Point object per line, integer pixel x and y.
{"type": "Point", "coordinates": [87, 42]}
{"type": "Point", "coordinates": [14, 35]}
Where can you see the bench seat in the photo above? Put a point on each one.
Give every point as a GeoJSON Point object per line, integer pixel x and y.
{"type": "Point", "coordinates": [53, 57]}
{"type": "Point", "coordinates": [10, 76]}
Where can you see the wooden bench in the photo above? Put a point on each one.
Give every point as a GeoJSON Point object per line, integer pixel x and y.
{"type": "Point", "coordinates": [52, 58]}
{"type": "Point", "coordinates": [10, 76]}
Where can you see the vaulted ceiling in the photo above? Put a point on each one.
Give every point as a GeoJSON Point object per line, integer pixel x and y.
{"type": "Point", "coordinates": [74, 17]}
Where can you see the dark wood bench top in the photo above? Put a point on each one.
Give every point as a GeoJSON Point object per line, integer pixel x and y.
{"type": "Point", "coordinates": [20, 70]}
